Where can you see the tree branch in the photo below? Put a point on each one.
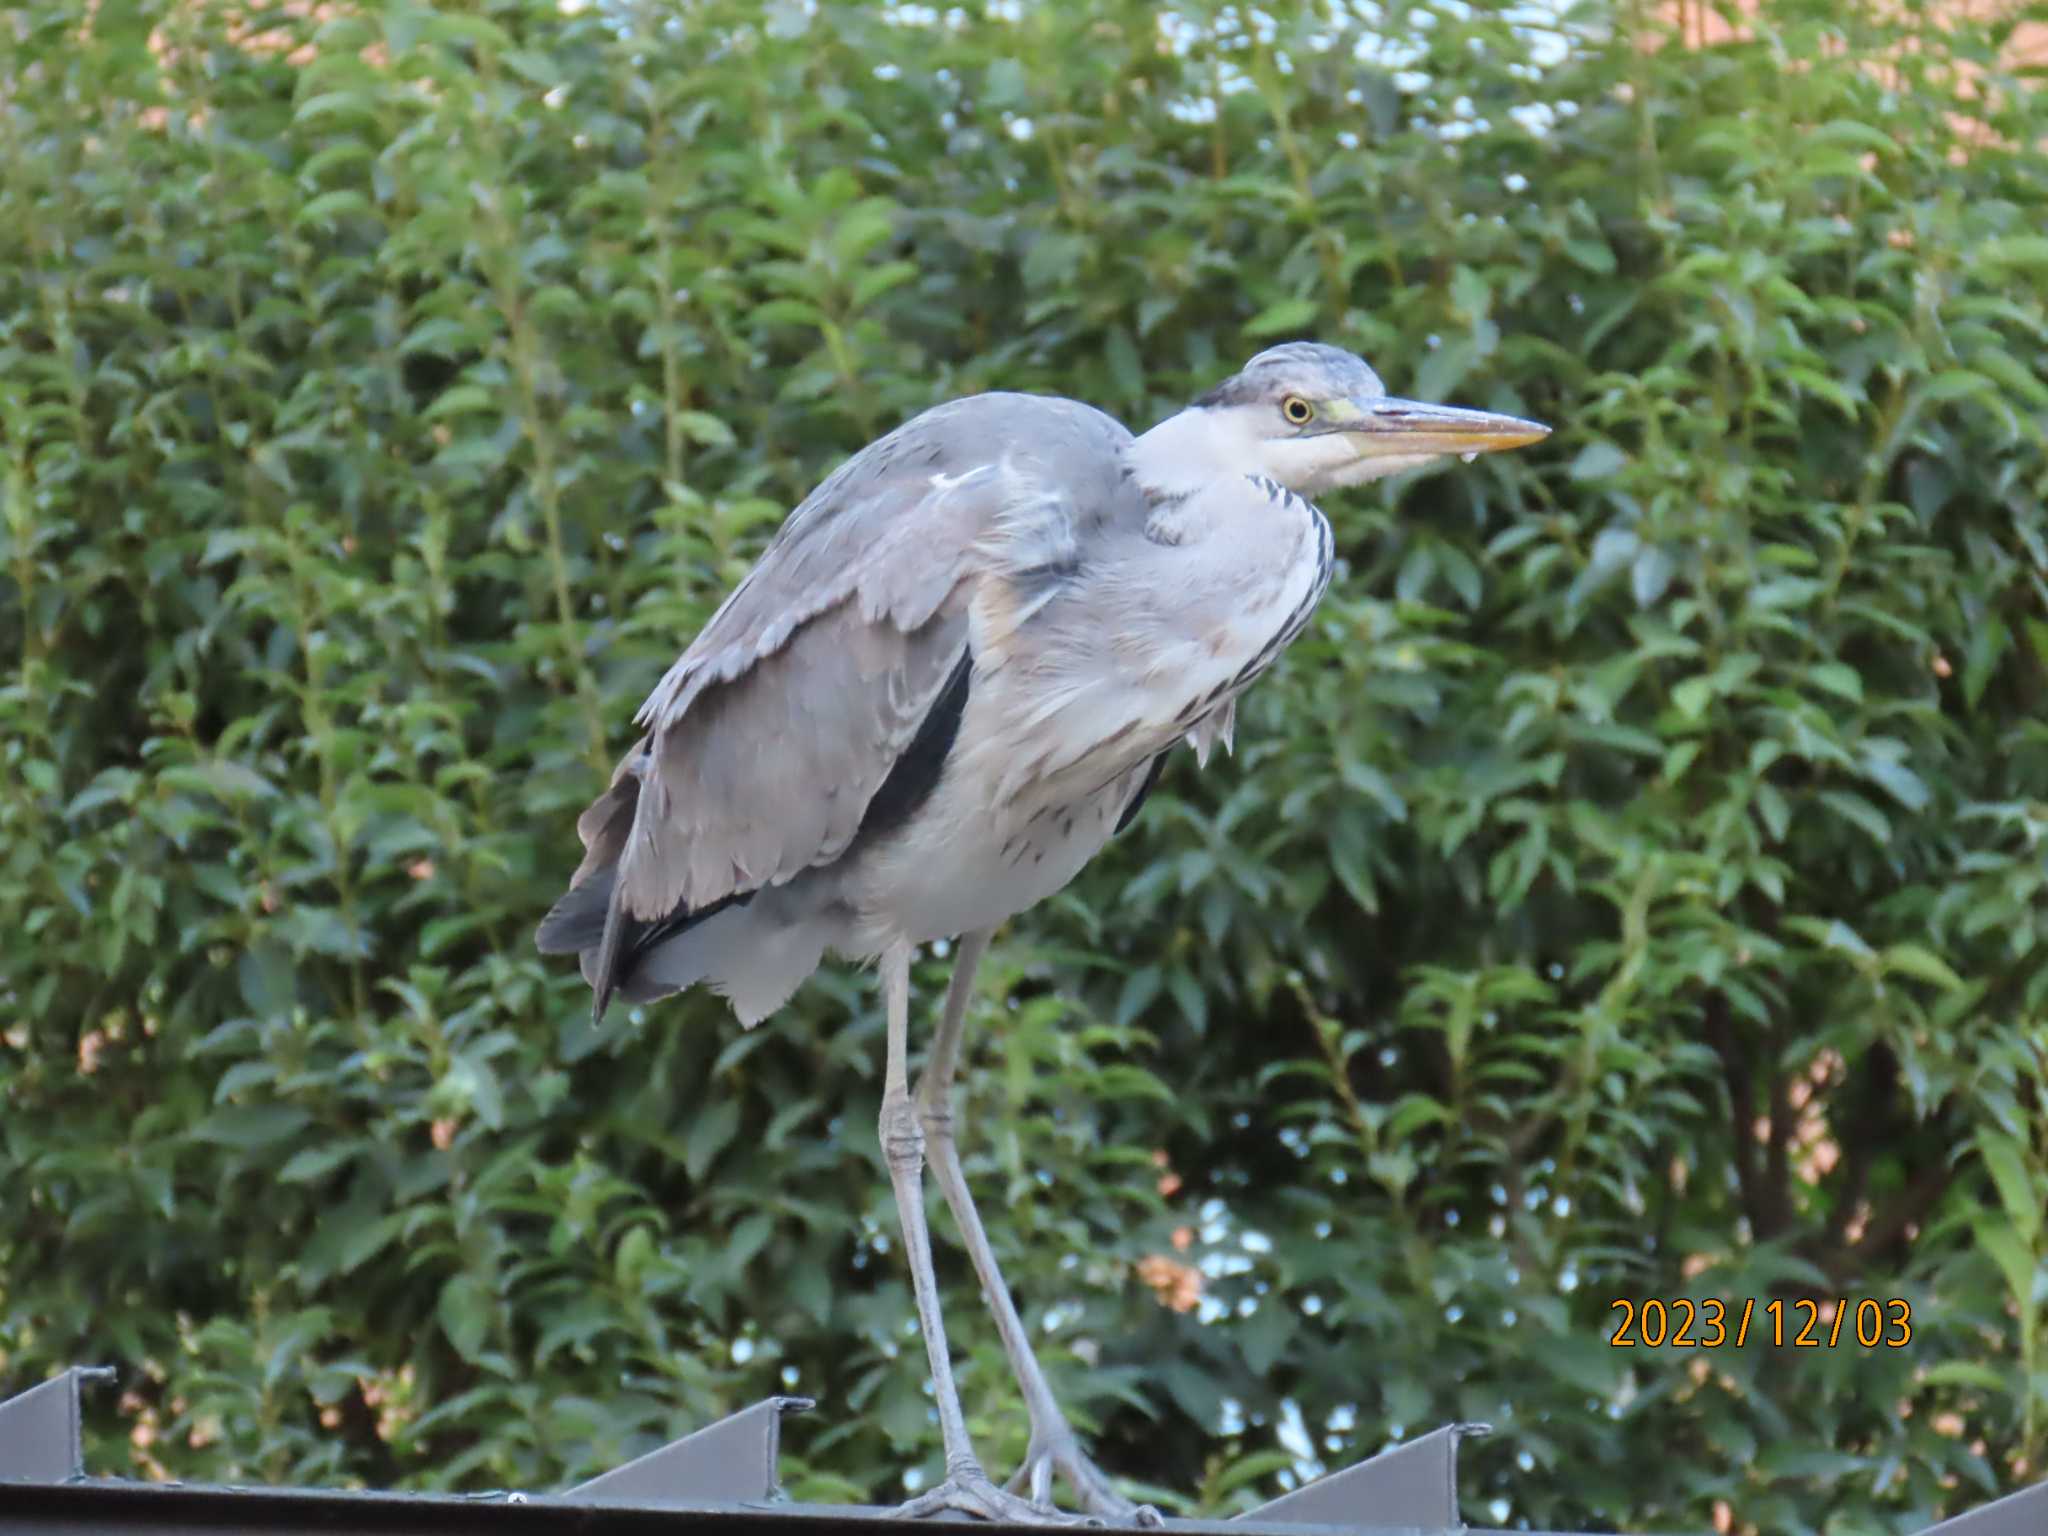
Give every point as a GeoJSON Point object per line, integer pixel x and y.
{"type": "Point", "coordinates": [1777, 1195]}
{"type": "Point", "coordinates": [1912, 1205]}
{"type": "Point", "coordinates": [1741, 1105]}
{"type": "Point", "coordinates": [1862, 1132]}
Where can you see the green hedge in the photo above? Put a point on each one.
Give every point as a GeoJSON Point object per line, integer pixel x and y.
{"type": "Point", "coordinates": [1631, 886]}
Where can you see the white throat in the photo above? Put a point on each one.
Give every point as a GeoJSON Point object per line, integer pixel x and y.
{"type": "Point", "coordinates": [1202, 448]}
{"type": "Point", "coordinates": [1193, 450]}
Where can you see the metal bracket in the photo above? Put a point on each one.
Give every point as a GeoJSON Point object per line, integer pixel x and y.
{"type": "Point", "coordinates": [1415, 1484]}
{"type": "Point", "coordinates": [2017, 1514]}
{"type": "Point", "coordinates": [39, 1430]}
{"type": "Point", "coordinates": [730, 1462]}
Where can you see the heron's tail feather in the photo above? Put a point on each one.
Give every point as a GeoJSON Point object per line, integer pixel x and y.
{"type": "Point", "coordinates": [589, 921]}
{"type": "Point", "coordinates": [591, 915]}
{"type": "Point", "coordinates": [754, 956]}
{"type": "Point", "coordinates": [616, 946]}
{"type": "Point", "coordinates": [576, 922]}
{"type": "Point", "coordinates": [614, 950]}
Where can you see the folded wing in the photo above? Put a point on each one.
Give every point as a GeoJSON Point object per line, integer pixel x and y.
{"type": "Point", "coordinates": [769, 739]}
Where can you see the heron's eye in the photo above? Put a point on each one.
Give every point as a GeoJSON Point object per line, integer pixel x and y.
{"type": "Point", "coordinates": [1297, 410]}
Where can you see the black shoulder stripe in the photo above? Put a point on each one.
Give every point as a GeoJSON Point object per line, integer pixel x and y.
{"type": "Point", "coordinates": [1152, 773]}
{"type": "Point", "coordinates": [620, 951]}
{"type": "Point", "coordinates": [649, 935]}
{"type": "Point", "coordinates": [915, 774]}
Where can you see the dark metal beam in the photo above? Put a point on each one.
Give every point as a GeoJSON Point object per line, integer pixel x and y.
{"type": "Point", "coordinates": [119, 1508]}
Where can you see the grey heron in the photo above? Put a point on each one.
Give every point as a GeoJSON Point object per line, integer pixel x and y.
{"type": "Point", "coordinates": [952, 676]}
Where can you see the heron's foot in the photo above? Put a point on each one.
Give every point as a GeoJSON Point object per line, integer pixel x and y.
{"type": "Point", "coordinates": [968, 1491]}
{"type": "Point", "coordinates": [1062, 1454]}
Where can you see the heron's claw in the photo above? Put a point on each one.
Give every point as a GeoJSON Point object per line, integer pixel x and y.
{"type": "Point", "coordinates": [1092, 1488]}
{"type": "Point", "coordinates": [969, 1492]}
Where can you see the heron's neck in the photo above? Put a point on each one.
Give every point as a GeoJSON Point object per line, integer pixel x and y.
{"type": "Point", "coordinates": [1177, 462]}
{"type": "Point", "coordinates": [1185, 453]}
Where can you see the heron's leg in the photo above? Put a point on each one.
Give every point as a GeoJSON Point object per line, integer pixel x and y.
{"type": "Point", "coordinates": [966, 1487]}
{"type": "Point", "coordinates": [1054, 1447]}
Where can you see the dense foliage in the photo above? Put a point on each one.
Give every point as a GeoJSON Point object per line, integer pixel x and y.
{"type": "Point", "coordinates": [1631, 886]}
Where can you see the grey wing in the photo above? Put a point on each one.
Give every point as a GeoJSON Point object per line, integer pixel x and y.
{"type": "Point", "coordinates": [768, 741]}
{"type": "Point", "coordinates": [757, 779]}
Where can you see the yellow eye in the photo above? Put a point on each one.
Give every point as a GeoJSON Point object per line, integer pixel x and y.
{"type": "Point", "coordinates": [1297, 410]}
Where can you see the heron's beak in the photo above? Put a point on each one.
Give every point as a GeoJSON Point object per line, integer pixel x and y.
{"type": "Point", "coordinates": [1405, 429]}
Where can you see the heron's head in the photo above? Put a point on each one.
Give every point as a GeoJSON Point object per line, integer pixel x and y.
{"type": "Point", "coordinates": [1315, 418]}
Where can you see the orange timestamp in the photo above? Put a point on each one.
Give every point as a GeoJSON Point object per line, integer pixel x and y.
{"type": "Point", "coordinates": [1682, 1323]}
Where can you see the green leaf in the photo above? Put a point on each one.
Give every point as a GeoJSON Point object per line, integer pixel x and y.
{"type": "Point", "coordinates": [1858, 812]}
{"type": "Point", "coordinates": [1922, 964]}
{"type": "Point", "coordinates": [248, 1127]}
{"type": "Point", "coordinates": [1286, 317]}
{"type": "Point", "coordinates": [2022, 1195]}
{"type": "Point", "coordinates": [534, 66]}
{"type": "Point", "coordinates": [1898, 781]}
{"type": "Point", "coordinates": [704, 428]}
{"type": "Point", "coordinates": [2026, 253]}
{"type": "Point", "coordinates": [710, 1135]}
{"type": "Point", "coordinates": [1839, 679]}
{"type": "Point", "coordinates": [878, 280]}
{"type": "Point", "coordinates": [1052, 259]}
{"type": "Point", "coordinates": [235, 782]}
{"type": "Point", "coordinates": [475, 1085]}
{"type": "Point", "coordinates": [1651, 574]}
{"type": "Point", "coordinates": [265, 974]}
{"type": "Point", "coordinates": [1599, 460]}
{"type": "Point", "coordinates": [636, 1253]}
{"type": "Point", "coordinates": [1263, 1338]}
{"type": "Point", "coordinates": [1693, 696]}
{"type": "Point", "coordinates": [1969, 1374]}
{"type": "Point", "coordinates": [309, 1164]}
{"type": "Point", "coordinates": [1596, 256]}
{"type": "Point", "coordinates": [465, 1311]}
{"type": "Point", "coordinates": [2015, 1260]}
{"type": "Point", "coordinates": [461, 400]}
{"type": "Point", "coordinates": [347, 103]}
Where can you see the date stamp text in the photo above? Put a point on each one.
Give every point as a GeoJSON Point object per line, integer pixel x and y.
{"type": "Point", "coordinates": [1870, 1322]}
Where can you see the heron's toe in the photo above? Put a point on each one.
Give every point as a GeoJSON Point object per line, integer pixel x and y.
{"type": "Point", "coordinates": [971, 1493]}
{"type": "Point", "coordinates": [1092, 1488]}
